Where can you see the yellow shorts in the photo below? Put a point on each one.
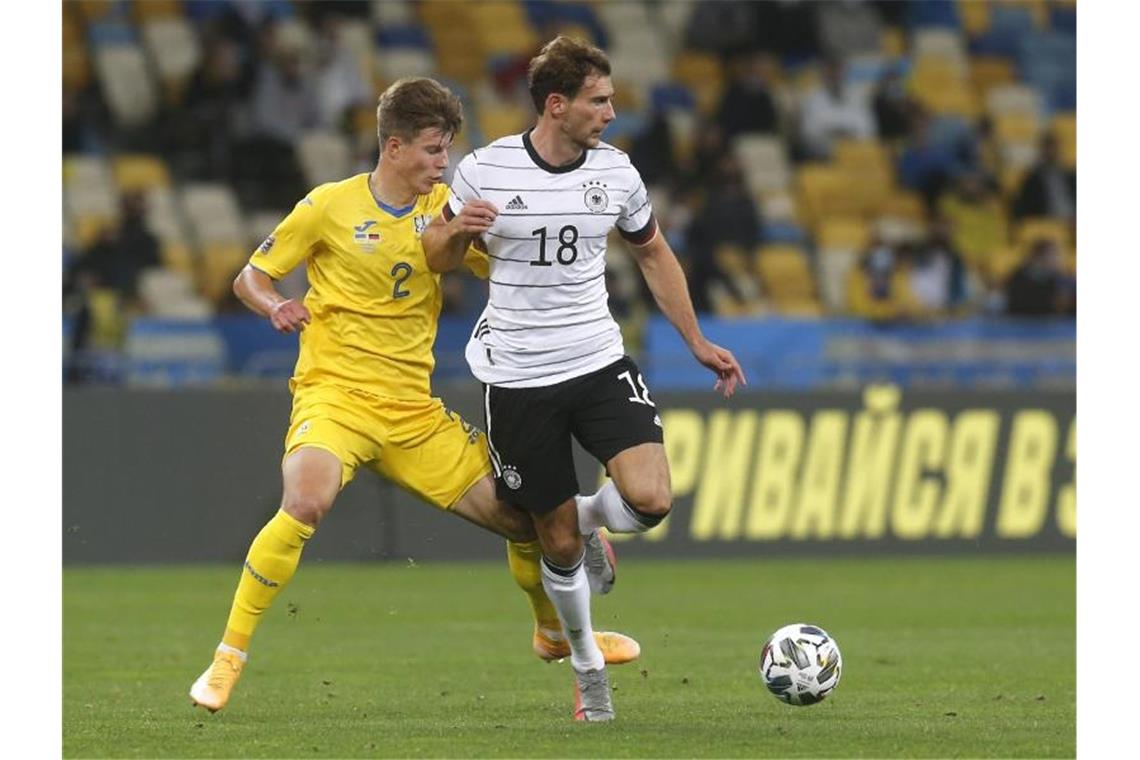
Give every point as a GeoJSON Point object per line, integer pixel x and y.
{"type": "Point", "coordinates": [418, 445]}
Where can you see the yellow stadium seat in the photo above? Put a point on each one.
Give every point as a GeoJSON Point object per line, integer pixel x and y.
{"type": "Point", "coordinates": [892, 42]}
{"type": "Point", "coordinates": [86, 228]}
{"type": "Point", "coordinates": [137, 172]}
{"type": "Point", "coordinates": [975, 15]}
{"type": "Point", "coordinates": [219, 265]}
{"type": "Point", "coordinates": [1016, 128]}
{"type": "Point", "coordinates": [1001, 263]}
{"type": "Point", "coordinates": [867, 165]}
{"type": "Point", "coordinates": [178, 257]}
{"type": "Point", "coordinates": [704, 75]}
{"type": "Point", "coordinates": [932, 72]}
{"type": "Point", "coordinates": [851, 233]}
{"type": "Point", "coordinates": [783, 271]}
{"type": "Point", "coordinates": [987, 72]}
{"type": "Point", "coordinates": [1064, 128]}
{"type": "Point", "coordinates": [950, 99]}
{"type": "Point", "coordinates": [499, 119]}
{"type": "Point", "coordinates": [95, 10]}
{"type": "Point", "coordinates": [502, 27]}
{"type": "Point", "coordinates": [76, 61]}
{"type": "Point", "coordinates": [148, 10]}
{"type": "Point", "coordinates": [1035, 229]}
{"type": "Point", "coordinates": [904, 204]}
{"type": "Point", "coordinates": [826, 191]}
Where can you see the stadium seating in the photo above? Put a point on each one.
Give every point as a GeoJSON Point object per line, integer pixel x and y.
{"type": "Point", "coordinates": [126, 83]}
{"type": "Point", "coordinates": [173, 45]}
{"type": "Point", "coordinates": [1009, 60]}
{"type": "Point", "coordinates": [324, 157]}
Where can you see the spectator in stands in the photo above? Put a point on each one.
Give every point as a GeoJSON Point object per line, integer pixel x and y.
{"type": "Point", "coordinates": [1040, 286]}
{"type": "Point", "coordinates": [936, 275]}
{"type": "Point", "coordinates": [652, 151]}
{"type": "Point", "coordinates": [119, 255]}
{"type": "Point", "coordinates": [977, 216]}
{"type": "Point", "coordinates": [833, 110]}
{"type": "Point", "coordinates": [878, 288]}
{"type": "Point", "coordinates": [894, 107]}
{"type": "Point", "coordinates": [1048, 189]}
{"type": "Point", "coordinates": [205, 131]}
{"type": "Point", "coordinates": [339, 86]}
{"type": "Point", "coordinates": [726, 216]}
{"type": "Point", "coordinates": [285, 106]}
{"type": "Point", "coordinates": [709, 147]}
{"type": "Point", "coordinates": [727, 28]}
{"type": "Point", "coordinates": [747, 104]}
{"type": "Point", "coordinates": [926, 164]}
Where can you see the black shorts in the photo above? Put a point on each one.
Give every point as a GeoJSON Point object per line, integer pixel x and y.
{"type": "Point", "coordinates": [529, 431]}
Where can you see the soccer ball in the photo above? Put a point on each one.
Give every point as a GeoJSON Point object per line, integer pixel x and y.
{"type": "Point", "coordinates": [800, 664]}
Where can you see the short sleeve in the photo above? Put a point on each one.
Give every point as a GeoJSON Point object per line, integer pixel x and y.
{"type": "Point", "coordinates": [293, 240]}
{"type": "Point", "coordinates": [464, 186]}
{"type": "Point", "coordinates": [635, 222]}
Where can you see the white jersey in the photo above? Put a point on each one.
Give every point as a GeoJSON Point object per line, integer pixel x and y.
{"type": "Point", "coordinates": [547, 317]}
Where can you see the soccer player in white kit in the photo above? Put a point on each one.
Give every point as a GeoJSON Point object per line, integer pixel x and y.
{"type": "Point", "coordinates": [546, 347]}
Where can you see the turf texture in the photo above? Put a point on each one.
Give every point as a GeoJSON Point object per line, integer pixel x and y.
{"type": "Point", "coordinates": [943, 657]}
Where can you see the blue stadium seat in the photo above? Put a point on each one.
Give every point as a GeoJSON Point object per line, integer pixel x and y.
{"type": "Point", "coordinates": [933, 13]}
{"type": "Point", "coordinates": [106, 33]}
{"type": "Point", "coordinates": [782, 232]}
{"type": "Point", "coordinates": [665, 97]}
{"type": "Point", "coordinates": [403, 36]}
{"type": "Point", "coordinates": [1063, 19]}
{"type": "Point", "coordinates": [543, 12]}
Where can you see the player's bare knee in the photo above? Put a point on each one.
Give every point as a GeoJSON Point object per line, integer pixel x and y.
{"type": "Point", "coordinates": [563, 551]}
{"type": "Point", "coordinates": [653, 501]}
{"type": "Point", "coordinates": [306, 508]}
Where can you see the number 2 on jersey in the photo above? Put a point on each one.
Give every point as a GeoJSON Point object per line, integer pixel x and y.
{"type": "Point", "coordinates": [401, 271]}
{"type": "Point", "coordinates": [567, 241]}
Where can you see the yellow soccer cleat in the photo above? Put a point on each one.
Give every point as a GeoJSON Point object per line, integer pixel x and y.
{"type": "Point", "coordinates": [617, 648]}
{"type": "Point", "coordinates": [212, 689]}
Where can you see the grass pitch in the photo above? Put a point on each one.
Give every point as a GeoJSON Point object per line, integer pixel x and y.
{"type": "Point", "coordinates": [943, 657]}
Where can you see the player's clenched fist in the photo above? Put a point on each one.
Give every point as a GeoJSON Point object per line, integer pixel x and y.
{"type": "Point", "coordinates": [289, 316]}
{"type": "Point", "coordinates": [476, 217]}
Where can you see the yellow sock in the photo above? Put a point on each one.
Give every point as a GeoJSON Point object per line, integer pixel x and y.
{"type": "Point", "coordinates": [273, 558]}
{"type": "Point", "coordinates": [523, 560]}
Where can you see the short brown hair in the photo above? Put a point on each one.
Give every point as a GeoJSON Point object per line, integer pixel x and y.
{"type": "Point", "coordinates": [413, 104]}
{"type": "Point", "coordinates": [562, 67]}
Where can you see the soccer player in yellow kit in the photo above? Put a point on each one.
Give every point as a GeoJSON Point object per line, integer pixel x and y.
{"type": "Point", "coordinates": [361, 387]}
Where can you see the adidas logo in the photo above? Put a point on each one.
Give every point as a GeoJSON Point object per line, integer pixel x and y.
{"type": "Point", "coordinates": [516, 204]}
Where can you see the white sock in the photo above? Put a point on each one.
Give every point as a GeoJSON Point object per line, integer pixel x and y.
{"type": "Point", "coordinates": [569, 590]}
{"type": "Point", "coordinates": [233, 650]}
{"type": "Point", "coordinates": [607, 509]}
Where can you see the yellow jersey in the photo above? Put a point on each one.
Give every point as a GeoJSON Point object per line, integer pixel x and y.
{"type": "Point", "coordinates": [374, 302]}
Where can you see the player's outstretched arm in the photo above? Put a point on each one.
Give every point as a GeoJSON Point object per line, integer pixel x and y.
{"type": "Point", "coordinates": [445, 242]}
{"type": "Point", "coordinates": [255, 289]}
{"type": "Point", "coordinates": [670, 290]}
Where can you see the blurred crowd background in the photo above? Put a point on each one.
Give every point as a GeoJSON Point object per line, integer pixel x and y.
{"type": "Point", "coordinates": [848, 165]}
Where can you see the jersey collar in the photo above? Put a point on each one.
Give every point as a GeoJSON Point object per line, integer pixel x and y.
{"type": "Point", "coordinates": [545, 166]}
{"type": "Point", "coordinates": [396, 212]}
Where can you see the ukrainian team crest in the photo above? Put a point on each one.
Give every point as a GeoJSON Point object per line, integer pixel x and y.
{"type": "Point", "coordinates": [596, 197]}
{"type": "Point", "coordinates": [421, 221]}
{"type": "Point", "coordinates": [512, 478]}
{"type": "Point", "coordinates": [366, 235]}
